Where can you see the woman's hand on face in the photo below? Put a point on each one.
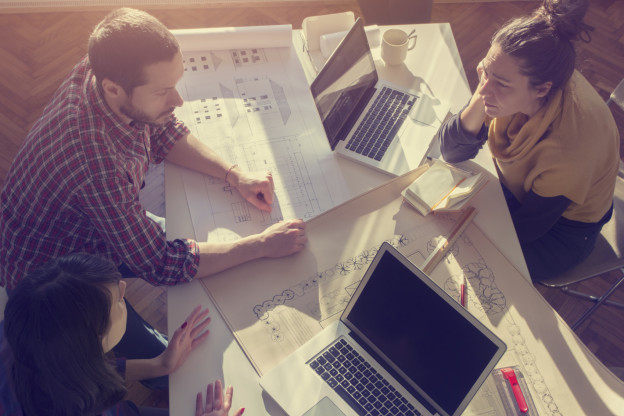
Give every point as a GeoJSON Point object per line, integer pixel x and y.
{"type": "Point", "coordinates": [189, 335]}
{"type": "Point", "coordinates": [473, 116]}
{"type": "Point", "coordinates": [481, 75]}
{"type": "Point", "coordinates": [216, 404]}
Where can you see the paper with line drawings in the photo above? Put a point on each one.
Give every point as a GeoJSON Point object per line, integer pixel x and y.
{"type": "Point", "coordinates": [288, 300]}
{"type": "Point", "coordinates": [251, 104]}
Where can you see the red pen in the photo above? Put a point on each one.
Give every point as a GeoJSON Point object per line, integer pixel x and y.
{"type": "Point", "coordinates": [462, 292]}
{"type": "Point", "coordinates": [462, 295]}
{"type": "Point", "coordinates": [510, 375]}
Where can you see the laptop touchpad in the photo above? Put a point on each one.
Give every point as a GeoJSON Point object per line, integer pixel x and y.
{"type": "Point", "coordinates": [424, 111]}
{"type": "Point", "coordinates": [324, 408]}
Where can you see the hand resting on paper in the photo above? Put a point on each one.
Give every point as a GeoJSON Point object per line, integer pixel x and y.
{"type": "Point", "coordinates": [280, 239]}
{"type": "Point", "coordinates": [284, 238]}
{"type": "Point", "coordinates": [256, 187]}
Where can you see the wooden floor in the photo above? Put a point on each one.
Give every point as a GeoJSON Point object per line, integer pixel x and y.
{"type": "Point", "coordinates": [38, 49]}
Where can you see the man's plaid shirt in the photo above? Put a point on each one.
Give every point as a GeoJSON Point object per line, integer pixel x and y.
{"type": "Point", "coordinates": [74, 187]}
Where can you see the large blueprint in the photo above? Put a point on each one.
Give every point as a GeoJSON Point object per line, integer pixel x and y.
{"type": "Point", "coordinates": [287, 301]}
{"type": "Point", "coordinates": [246, 96]}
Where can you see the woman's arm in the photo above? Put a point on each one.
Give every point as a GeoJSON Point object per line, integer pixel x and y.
{"type": "Point", "coordinates": [537, 215]}
{"type": "Point", "coordinates": [456, 144]}
{"type": "Point", "coordinates": [463, 135]}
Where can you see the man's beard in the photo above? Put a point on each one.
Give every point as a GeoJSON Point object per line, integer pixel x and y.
{"type": "Point", "coordinates": [135, 114]}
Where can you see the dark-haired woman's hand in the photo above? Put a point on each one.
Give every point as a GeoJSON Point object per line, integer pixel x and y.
{"type": "Point", "coordinates": [216, 404]}
{"type": "Point", "coordinates": [473, 116]}
{"type": "Point", "coordinates": [184, 340]}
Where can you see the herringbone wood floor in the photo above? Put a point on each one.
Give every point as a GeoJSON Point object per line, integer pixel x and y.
{"type": "Point", "coordinates": [37, 50]}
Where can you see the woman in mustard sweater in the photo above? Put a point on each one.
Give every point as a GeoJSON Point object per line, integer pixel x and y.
{"type": "Point", "coordinates": [554, 141]}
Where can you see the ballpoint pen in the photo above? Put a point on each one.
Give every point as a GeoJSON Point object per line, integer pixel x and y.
{"type": "Point", "coordinates": [510, 375]}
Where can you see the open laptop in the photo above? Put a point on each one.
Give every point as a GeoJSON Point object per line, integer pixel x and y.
{"type": "Point", "coordinates": [401, 341]}
{"type": "Point", "coordinates": [372, 121]}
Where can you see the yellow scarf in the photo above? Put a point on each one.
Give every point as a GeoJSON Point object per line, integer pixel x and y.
{"type": "Point", "coordinates": [570, 147]}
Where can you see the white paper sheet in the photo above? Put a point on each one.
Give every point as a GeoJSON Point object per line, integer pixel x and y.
{"type": "Point", "coordinates": [287, 301]}
{"type": "Point", "coordinates": [246, 96]}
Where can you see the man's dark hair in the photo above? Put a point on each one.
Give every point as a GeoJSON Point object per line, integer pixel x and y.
{"type": "Point", "coordinates": [127, 41]}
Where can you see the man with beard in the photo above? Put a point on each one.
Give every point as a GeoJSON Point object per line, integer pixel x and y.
{"type": "Point", "coordinates": [74, 184]}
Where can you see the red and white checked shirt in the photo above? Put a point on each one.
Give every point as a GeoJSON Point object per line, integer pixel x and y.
{"type": "Point", "coordinates": [74, 187]}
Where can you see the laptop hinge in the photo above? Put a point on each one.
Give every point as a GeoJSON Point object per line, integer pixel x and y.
{"type": "Point", "coordinates": [359, 108]}
{"type": "Point", "coordinates": [393, 373]}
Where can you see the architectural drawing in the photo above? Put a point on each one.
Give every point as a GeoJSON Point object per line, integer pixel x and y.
{"type": "Point", "coordinates": [253, 107]}
{"type": "Point", "coordinates": [485, 301]}
{"type": "Point", "coordinates": [218, 210]}
{"type": "Point", "coordinates": [246, 57]}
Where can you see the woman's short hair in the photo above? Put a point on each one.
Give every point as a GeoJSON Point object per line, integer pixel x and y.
{"type": "Point", "coordinates": [124, 43]}
{"type": "Point", "coordinates": [543, 41]}
{"type": "Point", "coordinates": [55, 320]}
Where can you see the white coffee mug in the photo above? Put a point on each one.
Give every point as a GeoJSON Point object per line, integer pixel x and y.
{"type": "Point", "coordinates": [394, 46]}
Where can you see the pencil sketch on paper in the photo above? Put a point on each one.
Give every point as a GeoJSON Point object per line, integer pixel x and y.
{"type": "Point", "coordinates": [252, 106]}
{"type": "Point", "coordinates": [245, 57]}
{"type": "Point", "coordinates": [325, 294]}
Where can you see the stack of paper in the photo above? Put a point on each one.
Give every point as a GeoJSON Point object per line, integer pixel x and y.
{"type": "Point", "coordinates": [443, 188]}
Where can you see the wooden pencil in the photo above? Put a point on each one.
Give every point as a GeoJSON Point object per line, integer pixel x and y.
{"type": "Point", "coordinates": [446, 243]}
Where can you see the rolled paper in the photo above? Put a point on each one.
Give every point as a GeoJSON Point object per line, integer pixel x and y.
{"type": "Point", "coordinates": [249, 37]}
{"type": "Point", "coordinates": [330, 41]}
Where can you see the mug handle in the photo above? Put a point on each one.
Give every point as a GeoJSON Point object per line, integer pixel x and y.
{"type": "Point", "coordinates": [413, 44]}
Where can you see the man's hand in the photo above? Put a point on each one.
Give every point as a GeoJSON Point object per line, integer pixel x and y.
{"type": "Point", "coordinates": [284, 238]}
{"type": "Point", "coordinates": [216, 404]}
{"type": "Point", "coordinates": [255, 187]}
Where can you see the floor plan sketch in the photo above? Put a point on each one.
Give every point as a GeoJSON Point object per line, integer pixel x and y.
{"type": "Point", "coordinates": [285, 308]}
{"type": "Point", "coordinates": [218, 211]}
{"type": "Point", "coordinates": [265, 102]}
{"type": "Point", "coordinates": [245, 57]}
{"type": "Point", "coordinates": [325, 294]}
{"type": "Point", "coordinates": [253, 107]}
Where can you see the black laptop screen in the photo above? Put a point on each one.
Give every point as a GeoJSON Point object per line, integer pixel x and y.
{"type": "Point", "coordinates": [344, 80]}
{"type": "Point", "coordinates": [428, 339]}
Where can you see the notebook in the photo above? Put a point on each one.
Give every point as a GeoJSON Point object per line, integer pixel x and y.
{"type": "Point", "coordinates": [401, 341]}
{"type": "Point", "coordinates": [443, 188]}
{"type": "Point", "coordinates": [372, 121]}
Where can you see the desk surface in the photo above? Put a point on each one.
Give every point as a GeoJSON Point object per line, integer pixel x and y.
{"type": "Point", "coordinates": [440, 74]}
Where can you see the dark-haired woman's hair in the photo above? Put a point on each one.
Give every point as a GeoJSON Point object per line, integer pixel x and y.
{"type": "Point", "coordinates": [124, 43]}
{"type": "Point", "coordinates": [543, 41]}
{"type": "Point", "coordinates": [55, 320]}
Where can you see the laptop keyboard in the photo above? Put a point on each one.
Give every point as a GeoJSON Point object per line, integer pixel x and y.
{"type": "Point", "coordinates": [358, 383]}
{"type": "Point", "coordinates": [381, 123]}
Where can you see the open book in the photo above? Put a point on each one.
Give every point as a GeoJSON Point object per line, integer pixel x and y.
{"type": "Point", "coordinates": [443, 188]}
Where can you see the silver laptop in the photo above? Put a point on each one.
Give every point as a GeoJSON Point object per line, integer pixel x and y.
{"type": "Point", "coordinates": [401, 347]}
{"type": "Point", "coordinates": [372, 121]}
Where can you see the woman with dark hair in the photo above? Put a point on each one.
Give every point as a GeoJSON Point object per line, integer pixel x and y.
{"type": "Point", "coordinates": [60, 323]}
{"type": "Point", "coordinates": [553, 139]}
